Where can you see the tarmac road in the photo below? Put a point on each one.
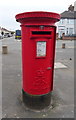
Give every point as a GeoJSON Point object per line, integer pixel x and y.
{"type": "Point", "coordinates": [62, 96]}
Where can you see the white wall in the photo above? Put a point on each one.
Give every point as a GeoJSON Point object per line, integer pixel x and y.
{"type": "Point", "coordinates": [75, 19]}
{"type": "Point", "coordinates": [65, 26]}
{"type": "Point", "coordinates": [75, 6]}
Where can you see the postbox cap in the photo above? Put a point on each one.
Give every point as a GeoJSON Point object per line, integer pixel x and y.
{"type": "Point", "coordinates": [36, 15]}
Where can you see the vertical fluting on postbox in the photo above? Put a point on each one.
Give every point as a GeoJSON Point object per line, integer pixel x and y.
{"type": "Point", "coordinates": [38, 51]}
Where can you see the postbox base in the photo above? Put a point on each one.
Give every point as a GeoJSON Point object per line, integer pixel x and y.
{"type": "Point", "coordinates": [36, 101]}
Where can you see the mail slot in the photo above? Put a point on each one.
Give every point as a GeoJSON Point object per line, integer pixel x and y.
{"type": "Point", "coordinates": [41, 32]}
{"type": "Point", "coordinates": [38, 51]}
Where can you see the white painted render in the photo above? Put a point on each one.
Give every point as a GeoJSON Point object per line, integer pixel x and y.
{"type": "Point", "coordinates": [66, 26]}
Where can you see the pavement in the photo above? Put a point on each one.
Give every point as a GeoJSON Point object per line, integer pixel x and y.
{"type": "Point", "coordinates": [62, 95]}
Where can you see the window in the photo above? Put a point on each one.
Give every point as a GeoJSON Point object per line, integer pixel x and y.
{"type": "Point", "coordinates": [70, 21]}
{"type": "Point", "coordinates": [70, 31]}
{"type": "Point", "coordinates": [67, 31]}
{"type": "Point", "coordinates": [62, 21]}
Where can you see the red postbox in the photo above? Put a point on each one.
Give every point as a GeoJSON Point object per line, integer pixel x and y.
{"type": "Point", "coordinates": [38, 51]}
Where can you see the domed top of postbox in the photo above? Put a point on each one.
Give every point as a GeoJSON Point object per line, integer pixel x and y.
{"type": "Point", "coordinates": [38, 17]}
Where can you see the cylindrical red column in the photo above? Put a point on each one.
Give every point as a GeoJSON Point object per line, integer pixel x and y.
{"type": "Point", "coordinates": [38, 51]}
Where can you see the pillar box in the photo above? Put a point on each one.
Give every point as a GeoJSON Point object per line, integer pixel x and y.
{"type": "Point", "coordinates": [38, 51]}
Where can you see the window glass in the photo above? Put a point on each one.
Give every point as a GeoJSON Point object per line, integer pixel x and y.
{"type": "Point", "coordinates": [70, 21]}
{"type": "Point", "coordinates": [62, 21]}
{"type": "Point", "coordinates": [70, 31]}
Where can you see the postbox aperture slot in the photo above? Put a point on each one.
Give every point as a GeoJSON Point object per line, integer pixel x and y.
{"type": "Point", "coordinates": [40, 49]}
{"type": "Point", "coordinates": [41, 32]}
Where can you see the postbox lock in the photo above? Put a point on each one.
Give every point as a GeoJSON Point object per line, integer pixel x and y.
{"type": "Point", "coordinates": [49, 68]}
{"type": "Point", "coordinates": [41, 27]}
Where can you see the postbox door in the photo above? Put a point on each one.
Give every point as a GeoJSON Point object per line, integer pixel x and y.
{"type": "Point", "coordinates": [38, 61]}
{"type": "Point", "coordinates": [44, 63]}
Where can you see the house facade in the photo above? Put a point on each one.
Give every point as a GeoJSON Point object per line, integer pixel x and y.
{"type": "Point", "coordinates": [0, 30]}
{"type": "Point", "coordinates": [66, 24]}
{"type": "Point", "coordinates": [5, 32]}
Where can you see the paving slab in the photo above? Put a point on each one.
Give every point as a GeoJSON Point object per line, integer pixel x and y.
{"type": "Point", "coordinates": [59, 65]}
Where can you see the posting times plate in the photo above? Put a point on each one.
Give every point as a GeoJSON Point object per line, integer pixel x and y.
{"type": "Point", "coordinates": [41, 49]}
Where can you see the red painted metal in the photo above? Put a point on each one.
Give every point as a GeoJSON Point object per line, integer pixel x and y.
{"type": "Point", "coordinates": [38, 28]}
